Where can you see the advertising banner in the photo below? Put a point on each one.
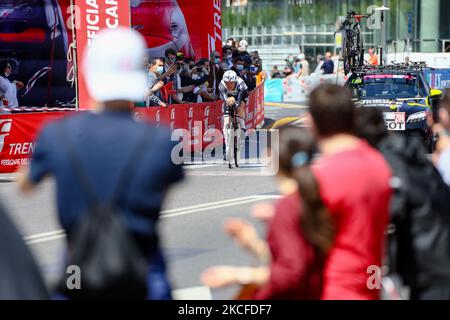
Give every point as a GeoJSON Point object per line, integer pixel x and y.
{"type": "Point", "coordinates": [196, 119]}
{"type": "Point", "coordinates": [34, 41]}
{"type": "Point", "coordinates": [199, 122]}
{"type": "Point", "coordinates": [93, 16]}
{"type": "Point", "coordinates": [273, 90]}
{"type": "Point", "coordinates": [17, 135]}
{"type": "Point", "coordinates": [191, 27]}
{"type": "Point", "coordinates": [298, 89]}
{"type": "Point", "coordinates": [438, 78]}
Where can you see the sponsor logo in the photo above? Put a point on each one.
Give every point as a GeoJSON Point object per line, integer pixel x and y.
{"type": "Point", "coordinates": [395, 121]}
{"type": "Point", "coordinates": [5, 129]}
{"type": "Point", "coordinates": [172, 119]}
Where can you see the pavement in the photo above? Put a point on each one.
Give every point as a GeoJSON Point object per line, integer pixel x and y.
{"type": "Point", "coordinates": [191, 225]}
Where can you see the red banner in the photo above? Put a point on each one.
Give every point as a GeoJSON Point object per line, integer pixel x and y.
{"type": "Point", "coordinates": [17, 135]}
{"type": "Point", "coordinates": [198, 118]}
{"type": "Point", "coordinates": [94, 16]}
{"type": "Point", "coordinates": [200, 121]}
{"type": "Point", "coordinates": [191, 27]}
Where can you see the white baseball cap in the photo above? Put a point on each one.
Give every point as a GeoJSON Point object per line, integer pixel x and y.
{"type": "Point", "coordinates": [114, 68]}
{"type": "Point", "coordinates": [243, 43]}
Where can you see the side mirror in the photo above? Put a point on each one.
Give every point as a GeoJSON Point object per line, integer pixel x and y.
{"type": "Point", "coordinates": [436, 93]}
{"type": "Point", "coordinates": [434, 98]}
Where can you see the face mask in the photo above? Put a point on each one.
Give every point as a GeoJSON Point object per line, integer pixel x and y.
{"type": "Point", "coordinates": [195, 77]}
{"type": "Point", "coordinates": [229, 56]}
{"type": "Point", "coordinates": [224, 66]}
{"type": "Point", "coordinates": [159, 69]}
{"type": "Point", "coordinates": [239, 67]}
{"type": "Point", "coordinates": [7, 74]}
{"type": "Point", "coordinates": [217, 61]}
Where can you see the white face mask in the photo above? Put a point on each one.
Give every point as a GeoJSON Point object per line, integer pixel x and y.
{"type": "Point", "coordinates": [7, 74]}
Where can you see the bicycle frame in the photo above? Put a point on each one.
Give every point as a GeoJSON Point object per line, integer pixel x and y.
{"type": "Point", "coordinates": [352, 46]}
{"type": "Point", "coordinates": [234, 137]}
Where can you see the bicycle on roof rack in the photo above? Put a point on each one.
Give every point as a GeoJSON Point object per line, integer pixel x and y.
{"type": "Point", "coordinates": [391, 68]}
{"type": "Point", "coordinates": [352, 41]}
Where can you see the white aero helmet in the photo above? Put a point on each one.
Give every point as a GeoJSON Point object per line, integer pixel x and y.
{"type": "Point", "coordinates": [230, 76]}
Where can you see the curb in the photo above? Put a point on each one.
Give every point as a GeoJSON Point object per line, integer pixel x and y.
{"type": "Point", "coordinates": [285, 105]}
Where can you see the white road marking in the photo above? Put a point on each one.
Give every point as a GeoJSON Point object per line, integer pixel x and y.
{"type": "Point", "coordinates": [59, 234]}
{"type": "Point", "coordinates": [199, 166]}
{"type": "Point", "coordinates": [194, 293]}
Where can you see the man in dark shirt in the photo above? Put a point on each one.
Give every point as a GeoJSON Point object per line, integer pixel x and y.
{"type": "Point", "coordinates": [152, 93]}
{"type": "Point", "coordinates": [103, 142]}
{"type": "Point", "coordinates": [328, 65]}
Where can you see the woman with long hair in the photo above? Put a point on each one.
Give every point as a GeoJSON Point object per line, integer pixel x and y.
{"type": "Point", "coordinates": [300, 233]}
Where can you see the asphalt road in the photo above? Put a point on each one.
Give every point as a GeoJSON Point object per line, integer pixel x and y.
{"type": "Point", "coordinates": [191, 224]}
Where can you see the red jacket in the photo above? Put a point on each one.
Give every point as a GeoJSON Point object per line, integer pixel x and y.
{"type": "Point", "coordinates": [355, 187]}
{"type": "Point", "coordinates": [296, 270]}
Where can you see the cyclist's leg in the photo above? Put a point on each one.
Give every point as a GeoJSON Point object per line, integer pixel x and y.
{"type": "Point", "coordinates": [241, 122]}
{"type": "Point", "coordinates": [242, 115]}
{"type": "Point", "coordinates": [226, 134]}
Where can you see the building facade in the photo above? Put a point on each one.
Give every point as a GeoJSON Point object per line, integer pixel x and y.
{"type": "Point", "coordinates": [411, 25]}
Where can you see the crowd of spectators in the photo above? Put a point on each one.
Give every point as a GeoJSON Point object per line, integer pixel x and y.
{"type": "Point", "coordinates": [176, 79]}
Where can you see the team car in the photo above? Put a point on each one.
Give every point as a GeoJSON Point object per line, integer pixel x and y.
{"type": "Point", "coordinates": [401, 92]}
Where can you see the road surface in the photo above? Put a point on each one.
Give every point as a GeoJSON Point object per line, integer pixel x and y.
{"type": "Point", "coordinates": [191, 224]}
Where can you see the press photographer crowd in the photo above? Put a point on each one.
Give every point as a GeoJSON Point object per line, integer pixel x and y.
{"type": "Point", "coordinates": [174, 79]}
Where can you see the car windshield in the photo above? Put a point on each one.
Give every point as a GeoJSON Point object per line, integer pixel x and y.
{"type": "Point", "coordinates": [382, 87]}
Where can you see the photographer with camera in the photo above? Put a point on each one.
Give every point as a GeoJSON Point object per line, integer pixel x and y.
{"type": "Point", "coordinates": [178, 86]}
{"type": "Point", "coordinates": [195, 79]}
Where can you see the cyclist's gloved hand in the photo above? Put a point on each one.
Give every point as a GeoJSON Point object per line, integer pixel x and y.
{"type": "Point", "coordinates": [231, 101]}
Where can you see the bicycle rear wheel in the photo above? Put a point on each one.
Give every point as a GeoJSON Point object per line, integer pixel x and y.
{"type": "Point", "coordinates": [236, 149]}
{"type": "Point", "coordinates": [230, 147]}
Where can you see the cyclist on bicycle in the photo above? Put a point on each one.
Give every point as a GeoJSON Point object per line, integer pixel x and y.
{"type": "Point", "coordinates": [234, 92]}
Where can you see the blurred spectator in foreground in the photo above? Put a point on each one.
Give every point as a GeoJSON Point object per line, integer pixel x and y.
{"type": "Point", "coordinates": [328, 65]}
{"type": "Point", "coordinates": [419, 238]}
{"type": "Point", "coordinates": [152, 93]}
{"type": "Point", "coordinates": [299, 236]}
{"type": "Point", "coordinates": [354, 183]}
{"type": "Point", "coordinates": [442, 128]}
{"type": "Point", "coordinates": [107, 157]}
{"type": "Point", "coordinates": [373, 58]}
{"type": "Point", "coordinates": [20, 278]}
